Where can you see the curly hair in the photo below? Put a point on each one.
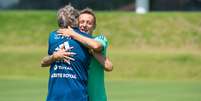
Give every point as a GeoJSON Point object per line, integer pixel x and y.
{"type": "Point", "coordinates": [67, 16]}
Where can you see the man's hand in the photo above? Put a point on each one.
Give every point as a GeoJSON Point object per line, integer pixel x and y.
{"type": "Point", "coordinates": [63, 54]}
{"type": "Point", "coordinates": [66, 31]}
{"type": "Point", "coordinates": [104, 61]}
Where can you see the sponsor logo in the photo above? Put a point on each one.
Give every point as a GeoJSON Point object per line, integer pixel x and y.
{"type": "Point", "coordinates": [63, 67]}
{"type": "Point", "coordinates": [63, 75]}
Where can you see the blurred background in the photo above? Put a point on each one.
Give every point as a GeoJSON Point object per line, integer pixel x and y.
{"type": "Point", "coordinates": [155, 46]}
{"type": "Point", "coordinates": [125, 5]}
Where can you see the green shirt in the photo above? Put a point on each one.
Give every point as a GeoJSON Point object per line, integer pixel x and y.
{"type": "Point", "coordinates": [96, 88]}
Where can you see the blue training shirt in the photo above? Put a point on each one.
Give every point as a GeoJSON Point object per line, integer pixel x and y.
{"type": "Point", "coordinates": [68, 82]}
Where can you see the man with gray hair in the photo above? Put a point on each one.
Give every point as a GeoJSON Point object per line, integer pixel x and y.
{"type": "Point", "coordinates": [67, 16]}
{"type": "Point", "coordinates": [67, 79]}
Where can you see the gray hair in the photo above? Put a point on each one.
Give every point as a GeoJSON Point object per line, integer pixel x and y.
{"type": "Point", "coordinates": [67, 16]}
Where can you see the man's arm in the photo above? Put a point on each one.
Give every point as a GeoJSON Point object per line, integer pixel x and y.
{"type": "Point", "coordinates": [47, 60]}
{"type": "Point", "coordinates": [92, 44]}
{"type": "Point", "coordinates": [59, 55]}
{"type": "Point", "coordinates": [88, 42]}
{"type": "Point", "coordinates": [104, 61]}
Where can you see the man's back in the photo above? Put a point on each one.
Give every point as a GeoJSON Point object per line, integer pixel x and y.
{"type": "Point", "coordinates": [68, 82]}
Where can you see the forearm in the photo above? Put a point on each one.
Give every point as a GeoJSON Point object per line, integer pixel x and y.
{"type": "Point", "coordinates": [88, 42]}
{"type": "Point", "coordinates": [46, 61]}
{"type": "Point", "coordinates": [104, 61]}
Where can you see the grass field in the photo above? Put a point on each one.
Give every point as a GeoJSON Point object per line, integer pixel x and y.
{"type": "Point", "coordinates": [125, 29]}
{"type": "Point", "coordinates": [142, 76]}
{"type": "Point", "coordinates": [128, 64]}
{"type": "Point", "coordinates": [156, 56]}
{"type": "Point", "coordinates": [31, 89]}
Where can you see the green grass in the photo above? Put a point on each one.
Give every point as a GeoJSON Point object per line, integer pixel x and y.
{"type": "Point", "coordinates": [152, 46]}
{"type": "Point", "coordinates": [154, 29]}
{"type": "Point", "coordinates": [154, 91]}
{"type": "Point", "coordinates": [23, 90]}
{"type": "Point", "coordinates": [153, 64]}
{"type": "Point", "coordinates": [22, 61]}
{"type": "Point", "coordinates": [30, 89]}
{"type": "Point", "coordinates": [26, 27]}
{"type": "Point", "coordinates": [156, 56]}
{"type": "Point", "coordinates": [125, 29]}
{"type": "Point", "coordinates": [128, 64]}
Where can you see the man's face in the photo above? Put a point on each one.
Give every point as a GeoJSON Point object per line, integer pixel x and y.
{"type": "Point", "coordinates": [86, 23]}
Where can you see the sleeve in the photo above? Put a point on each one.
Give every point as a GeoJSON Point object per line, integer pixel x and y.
{"type": "Point", "coordinates": [103, 40]}
{"type": "Point", "coordinates": [50, 43]}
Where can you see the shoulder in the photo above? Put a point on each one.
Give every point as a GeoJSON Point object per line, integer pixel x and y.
{"type": "Point", "coordinates": [100, 37]}
{"type": "Point", "coordinates": [52, 36]}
